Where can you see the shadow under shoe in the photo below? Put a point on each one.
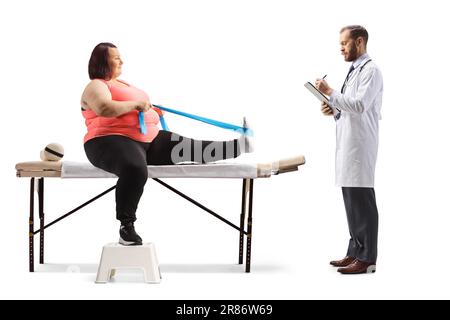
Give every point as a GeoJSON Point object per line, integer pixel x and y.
{"type": "Point", "coordinates": [128, 236]}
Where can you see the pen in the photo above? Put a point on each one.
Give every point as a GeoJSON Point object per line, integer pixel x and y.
{"type": "Point", "coordinates": [324, 77]}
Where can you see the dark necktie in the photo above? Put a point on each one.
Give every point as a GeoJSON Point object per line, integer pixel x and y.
{"type": "Point", "coordinates": [346, 78]}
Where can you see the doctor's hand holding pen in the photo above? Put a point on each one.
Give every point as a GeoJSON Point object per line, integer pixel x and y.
{"type": "Point", "coordinates": [323, 86]}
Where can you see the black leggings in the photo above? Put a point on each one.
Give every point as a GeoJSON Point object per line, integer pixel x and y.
{"type": "Point", "coordinates": [128, 159]}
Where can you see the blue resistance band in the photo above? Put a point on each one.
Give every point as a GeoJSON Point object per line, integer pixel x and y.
{"type": "Point", "coordinates": [142, 123]}
{"type": "Point", "coordinates": [163, 123]}
{"type": "Point", "coordinates": [143, 126]}
{"type": "Point", "coordinates": [216, 123]}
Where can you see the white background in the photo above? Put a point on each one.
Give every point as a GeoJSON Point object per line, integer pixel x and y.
{"type": "Point", "coordinates": [224, 60]}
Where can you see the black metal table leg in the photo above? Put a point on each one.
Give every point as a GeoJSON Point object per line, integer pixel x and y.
{"type": "Point", "coordinates": [249, 228]}
{"type": "Point", "coordinates": [32, 232]}
{"type": "Point", "coordinates": [31, 227]}
{"type": "Point", "coordinates": [42, 220]}
{"type": "Point", "coordinates": [243, 210]}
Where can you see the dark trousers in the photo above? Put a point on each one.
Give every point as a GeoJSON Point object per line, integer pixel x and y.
{"type": "Point", "coordinates": [362, 217]}
{"type": "Point", "coordinates": [128, 159]}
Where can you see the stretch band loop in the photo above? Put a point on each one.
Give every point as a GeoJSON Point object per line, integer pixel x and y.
{"type": "Point", "coordinates": [142, 123]}
{"type": "Point", "coordinates": [163, 123]}
{"type": "Point", "coordinates": [216, 123]}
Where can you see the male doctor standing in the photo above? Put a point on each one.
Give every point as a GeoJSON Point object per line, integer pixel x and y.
{"type": "Point", "coordinates": [356, 109]}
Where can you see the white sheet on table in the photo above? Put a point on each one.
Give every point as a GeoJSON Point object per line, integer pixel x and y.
{"type": "Point", "coordinates": [220, 169]}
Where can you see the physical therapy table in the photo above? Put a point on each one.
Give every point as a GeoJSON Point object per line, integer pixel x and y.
{"type": "Point", "coordinates": [37, 171]}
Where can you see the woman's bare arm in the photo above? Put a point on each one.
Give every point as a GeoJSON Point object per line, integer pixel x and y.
{"type": "Point", "coordinates": [97, 97]}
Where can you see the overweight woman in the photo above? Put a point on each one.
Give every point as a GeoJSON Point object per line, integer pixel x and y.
{"type": "Point", "coordinates": [116, 143]}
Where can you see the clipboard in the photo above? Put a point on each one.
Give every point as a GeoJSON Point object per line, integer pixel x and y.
{"type": "Point", "coordinates": [323, 98]}
{"type": "Point", "coordinates": [319, 95]}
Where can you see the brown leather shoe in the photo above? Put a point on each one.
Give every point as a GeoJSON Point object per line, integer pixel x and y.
{"type": "Point", "coordinates": [343, 263]}
{"type": "Point", "coordinates": [357, 267]}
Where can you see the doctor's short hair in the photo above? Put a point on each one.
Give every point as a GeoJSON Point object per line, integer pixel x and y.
{"type": "Point", "coordinates": [98, 63]}
{"type": "Point", "coordinates": [357, 31]}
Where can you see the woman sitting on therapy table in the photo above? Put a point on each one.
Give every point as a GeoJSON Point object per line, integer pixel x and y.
{"type": "Point", "coordinates": [116, 142]}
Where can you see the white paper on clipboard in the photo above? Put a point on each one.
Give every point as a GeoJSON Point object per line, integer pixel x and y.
{"type": "Point", "coordinates": [319, 95]}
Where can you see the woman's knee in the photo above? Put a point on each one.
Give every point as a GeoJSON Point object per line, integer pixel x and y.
{"type": "Point", "coordinates": [137, 172]}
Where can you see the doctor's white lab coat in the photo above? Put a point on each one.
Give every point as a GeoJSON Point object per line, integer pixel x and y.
{"type": "Point", "coordinates": [357, 127]}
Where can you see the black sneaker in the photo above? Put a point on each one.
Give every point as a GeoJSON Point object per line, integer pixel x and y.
{"type": "Point", "coordinates": [128, 236]}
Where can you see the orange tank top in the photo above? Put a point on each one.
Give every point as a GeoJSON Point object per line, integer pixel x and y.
{"type": "Point", "coordinates": [126, 124]}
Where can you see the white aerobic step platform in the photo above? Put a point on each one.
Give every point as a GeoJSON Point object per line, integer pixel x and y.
{"type": "Point", "coordinates": [116, 256]}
